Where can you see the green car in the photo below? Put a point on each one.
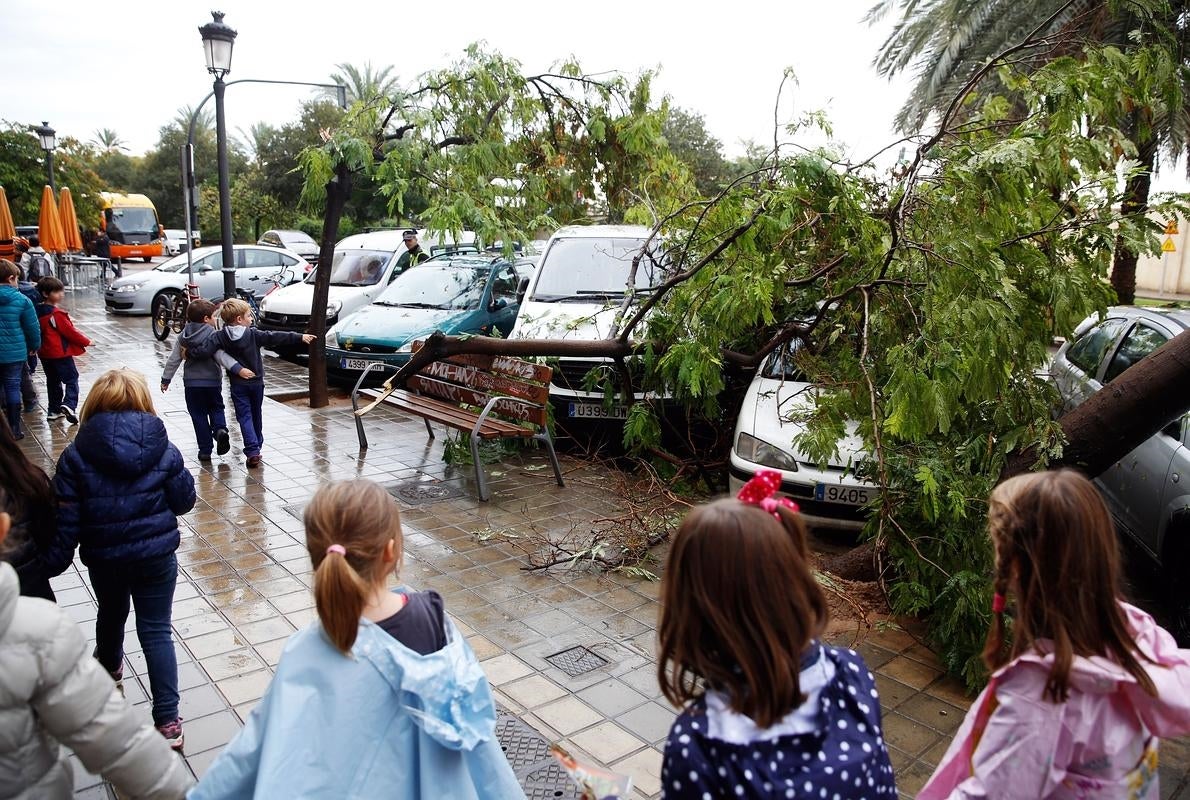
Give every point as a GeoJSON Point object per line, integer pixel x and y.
{"type": "Point", "coordinates": [455, 294]}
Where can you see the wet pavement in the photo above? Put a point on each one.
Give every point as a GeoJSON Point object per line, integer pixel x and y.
{"type": "Point", "coordinates": [569, 653]}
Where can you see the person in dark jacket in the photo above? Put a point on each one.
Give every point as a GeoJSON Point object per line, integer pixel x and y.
{"type": "Point", "coordinates": [29, 500]}
{"type": "Point", "coordinates": [413, 254]}
{"type": "Point", "coordinates": [101, 247]}
{"type": "Point", "coordinates": [20, 336]}
{"type": "Point", "coordinates": [120, 486]}
{"type": "Point", "coordinates": [202, 379]}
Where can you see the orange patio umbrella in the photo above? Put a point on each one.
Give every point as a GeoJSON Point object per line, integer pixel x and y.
{"type": "Point", "coordinates": [49, 224]}
{"type": "Point", "coordinates": [7, 231]}
{"type": "Point", "coordinates": [70, 221]}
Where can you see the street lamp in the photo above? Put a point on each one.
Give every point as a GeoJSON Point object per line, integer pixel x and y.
{"type": "Point", "coordinates": [49, 143]}
{"type": "Point", "coordinates": [217, 42]}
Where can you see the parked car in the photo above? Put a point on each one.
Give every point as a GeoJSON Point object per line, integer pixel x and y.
{"type": "Point", "coordinates": [771, 417]}
{"type": "Point", "coordinates": [298, 241]}
{"type": "Point", "coordinates": [575, 293]}
{"type": "Point", "coordinates": [139, 292]}
{"type": "Point", "coordinates": [451, 293]}
{"type": "Point", "coordinates": [175, 241]}
{"type": "Point", "coordinates": [1145, 490]}
{"type": "Point", "coordinates": [363, 265]}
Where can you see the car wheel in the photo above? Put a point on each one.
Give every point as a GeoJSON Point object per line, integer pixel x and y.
{"type": "Point", "coordinates": [165, 311]}
{"type": "Point", "coordinates": [1174, 566]}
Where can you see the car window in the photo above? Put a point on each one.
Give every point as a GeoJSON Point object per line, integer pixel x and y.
{"type": "Point", "coordinates": [781, 365]}
{"type": "Point", "coordinates": [1139, 342]}
{"type": "Point", "coordinates": [214, 261]}
{"type": "Point", "coordinates": [1088, 352]}
{"type": "Point", "coordinates": [271, 239]}
{"type": "Point", "coordinates": [289, 261]}
{"type": "Point", "coordinates": [254, 258]}
{"type": "Point", "coordinates": [504, 284]}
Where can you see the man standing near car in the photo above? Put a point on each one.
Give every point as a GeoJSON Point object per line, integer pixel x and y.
{"type": "Point", "coordinates": [413, 254]}
{"type": "Point", "coordinates": [101, 247]}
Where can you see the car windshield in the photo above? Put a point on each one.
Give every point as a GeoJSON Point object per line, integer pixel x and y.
{"type": "Point", "coordinates": [135, 220]}
{"type": "Point", "coordinates": [356, 267]}
{"type": "Point", "coordinates": [593, 268]}
{"type": "Point", "coordinates": [294, 237]}
{"type": "Point", "coordinates": [177, 263]}
{"type": "Point", "coordinates": [781, 364]}
{"type": "Point", "coordinates": [446, 286]}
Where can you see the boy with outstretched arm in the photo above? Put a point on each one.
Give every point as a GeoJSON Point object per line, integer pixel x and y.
{"type": "Point", "coordinates": [243, 342]}
{"type": "Point", "coordinates": [202, 379]}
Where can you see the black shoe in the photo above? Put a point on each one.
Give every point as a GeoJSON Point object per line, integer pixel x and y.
{"type": "Point", "coordinates": [222, 442]}
{"type": "Point", "coordinates": [71, 417]}
{"type": "Point", "coordinates": [53, 415]}
{"type": "Point", "coordinates": [204, 458]}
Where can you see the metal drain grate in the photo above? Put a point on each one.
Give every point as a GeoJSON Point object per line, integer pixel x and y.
{"type": "Point", "coordinates": [416, 492]}
{"type": "Point", "coordinates": [577, 660]}
{"type": "Point", "coordinates": [528, 754]}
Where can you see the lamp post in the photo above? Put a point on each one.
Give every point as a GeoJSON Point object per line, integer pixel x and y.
{"type": "Point", "coordinates": [217, 42]}
{"type": "Point", "coordinates": [49, 143]}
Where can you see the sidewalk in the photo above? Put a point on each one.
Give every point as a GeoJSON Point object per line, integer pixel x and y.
{"type": "Point", "coordinates": [244, 583]}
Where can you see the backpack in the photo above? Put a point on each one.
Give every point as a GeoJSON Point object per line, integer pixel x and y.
{"type": "Point", "coordinates": [39, 267]}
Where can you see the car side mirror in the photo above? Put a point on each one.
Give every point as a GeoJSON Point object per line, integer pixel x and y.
{"type": "Point", "coordinates": [497, 304]}
{"type": "Point", "coordinates": [522, 289]}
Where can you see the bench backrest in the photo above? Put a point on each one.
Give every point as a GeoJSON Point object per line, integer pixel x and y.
{"type": "Point", "coordinates": [472, 380]}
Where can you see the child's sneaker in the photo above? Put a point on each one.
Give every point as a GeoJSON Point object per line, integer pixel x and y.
{"type": "Point", "coordinates": [253, 461]}
{"type": "Point", "coordinates": [30, 408]}
{"type": "Point", "coordinates": [53, 415]}
{"type": "Point", "coordinates": [172, 732]}
{"type": "Point", "coordinates": [222, 441]}
{"type": "Point", "coordinates": [71, 417]}
{"type": "Point", "coordinates": [204, 458]}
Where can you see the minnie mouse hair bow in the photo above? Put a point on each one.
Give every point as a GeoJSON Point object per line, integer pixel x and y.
{"type": "Point", "coordinates": [760, 489]}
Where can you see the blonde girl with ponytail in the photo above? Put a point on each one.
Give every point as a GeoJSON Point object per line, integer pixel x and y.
{"type": "Point", "coordinates": [381, 697]}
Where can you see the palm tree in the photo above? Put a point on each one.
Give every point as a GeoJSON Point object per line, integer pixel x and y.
{"type": "Point", "coordinates": [181, 120]}
{"type": "Point", "coordinates": [946, 42]}
{"type": "Point", "coordinates": [108, 141]}
{"type": "Point", "coordinates": [368, 84]}
{"type": "Point", "coordinates": [256, 138]}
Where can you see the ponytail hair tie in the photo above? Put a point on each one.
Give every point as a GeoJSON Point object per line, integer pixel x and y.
{"type": "Point", "coordinates": [999, 601]}
{"type": "Point", "coordinates": [759, 492]}
{"type": "Point", "coordinates": [336, 548]}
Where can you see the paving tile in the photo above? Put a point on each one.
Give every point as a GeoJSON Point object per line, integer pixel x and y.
{"type": "Point", "coordinates": [200, 701]}
{"type": "Point", "coordinates": [568, 715]}
{"type": "Point", "coordinates": [212, 731]}
{"type": "Point", "coordinates": [504, 669]}
{"type": "Point", "coordinates": [267, 630]}
{"type": "Point", "coordinates": [612, 697]}
{"type": "Point", "coordinates": [228, 665]}
{"type": "Point", "coordinates": [607, 742]}
{"type": "Point", "coordinates": [243, 688]}
{"type": "Point", "coordinates": [892, 693]}
{"type": "Point", "coordinates": [644, 768]}
{"type": "Point", "coordinates": [905, 734]}
{"type": "Point", "coordinates": [533, 691]}
{"type": "Point", "coordinates": [650, 722]}
{"type": "Point", "coordinates": [942, 717]}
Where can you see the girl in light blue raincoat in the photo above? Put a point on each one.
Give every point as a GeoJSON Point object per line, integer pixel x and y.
{"type": "Point", "coordinates": [383, 699]}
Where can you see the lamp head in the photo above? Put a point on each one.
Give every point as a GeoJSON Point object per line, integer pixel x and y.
{"type": "Point", "coordinates": [48, 137]}
{"type": "Point", "coordinates": [217, 42]}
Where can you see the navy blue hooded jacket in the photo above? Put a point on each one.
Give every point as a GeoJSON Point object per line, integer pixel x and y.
{"type": "Point", "coordinates": [120, 486]}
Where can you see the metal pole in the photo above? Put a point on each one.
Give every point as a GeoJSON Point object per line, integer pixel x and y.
{"type": "Point", "coordinates": [1164, 268]}
{"type": "Point", "coordinates": [49, 167]}
{"type": "Point", "coordinates": [229, 265]}
{"type": "Point", "coordinates": [187, 204]}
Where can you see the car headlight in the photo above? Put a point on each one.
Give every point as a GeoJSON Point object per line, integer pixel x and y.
{"type": "Point", "coordinates": [758, 451]}
{"type": "Point", "coordinates": [333, 308]}
{"type": "Point", "coordinates": [406, 348]}
{"type": "Point", "coordinates": [332, 338]}
{"type": "Point", "coordinates": [130, 287]}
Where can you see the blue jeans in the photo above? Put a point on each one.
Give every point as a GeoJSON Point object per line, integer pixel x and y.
{"type": "Point", "coordinates": [248, 399]}
{"type": "Point", "coordinates": [205, 406]}
{"type": "Point", "coordinates": [10, 377]}
{"type": "Point", "coordinates": [149, 584]}
{"type": "Point", "coordinates": [60, 374]}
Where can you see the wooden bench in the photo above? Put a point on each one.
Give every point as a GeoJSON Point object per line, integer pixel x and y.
{"type": "Point", "coordinates": [490, 397]}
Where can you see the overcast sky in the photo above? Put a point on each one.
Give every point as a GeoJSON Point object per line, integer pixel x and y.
{"type": "Point", "coordinates": [130, 65]}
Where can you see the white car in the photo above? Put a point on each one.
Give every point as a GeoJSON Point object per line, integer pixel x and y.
{"type": "Point", "coordinates": [175, 241]}
{"type": "Point", "coordinates": [298, 242]}
{"type": "Point", "coordinates": [139, 292]}
{"type": "Point", "coordinates": [829, 496]}
{"type": "Point", "coordinates": [363, 266]}
{"type": "Point", "coordinates": [575, 294]}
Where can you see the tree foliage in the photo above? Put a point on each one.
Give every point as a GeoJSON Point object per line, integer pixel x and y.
{"type": "Point", "coordinates": [688, 139]}
{"type": "Point", "coordinates": [23, 173]}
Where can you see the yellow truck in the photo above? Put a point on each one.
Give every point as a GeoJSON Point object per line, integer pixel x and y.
{"type": "Point", "coordinates": [131, 224]}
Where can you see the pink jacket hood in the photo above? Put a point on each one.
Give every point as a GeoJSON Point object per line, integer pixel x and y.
{"type": "Point", "coordinates": [1100, 743]}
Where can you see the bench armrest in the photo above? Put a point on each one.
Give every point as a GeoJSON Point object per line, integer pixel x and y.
{"type": "Point", "coordinates": [496, 401]}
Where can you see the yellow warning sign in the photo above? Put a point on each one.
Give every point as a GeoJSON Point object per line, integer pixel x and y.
{"type": "Point", "coordinates": [1168, 247]}
{"type": "Point", "coordinates": [1171, 228]}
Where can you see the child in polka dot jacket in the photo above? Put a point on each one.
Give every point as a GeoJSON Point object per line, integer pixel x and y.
{"type": "Point", "coordinates": [769, 710]}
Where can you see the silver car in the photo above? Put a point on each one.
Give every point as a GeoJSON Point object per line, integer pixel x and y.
{"type": "Point", "coordinates": [137, 292]}
{"type": "Point", "coordinates": [1145, 490]}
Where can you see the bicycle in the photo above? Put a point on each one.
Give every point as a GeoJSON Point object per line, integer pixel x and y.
{"type": "Point", "coordinates": [169, 312]}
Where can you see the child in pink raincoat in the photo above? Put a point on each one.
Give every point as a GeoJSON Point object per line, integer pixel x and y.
{"type": "Point", "coordinates": [1088, 685]}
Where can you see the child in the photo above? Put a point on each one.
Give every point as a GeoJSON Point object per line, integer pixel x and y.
{"type": "Point", "coordinates": [120, 486]}
{"type": "Point", "coordinates": [202, 379]}
{"type": "Point", "coordinates": [20, 337]}
{"type": "Point", "coordinates": [1088, 683]}
{"type": "Point", "coordinates": [770, 710]}
{"type": "Point", "coordinates": [383, 697]}
{"type": "Point", "coordinates": [243, 342]}
{"type": "Point", "coordinates": [51, 693]}
{"type": "Point", "coordinates": [31, 506]}
{"type": "Point", "coordinates": [60, 343]}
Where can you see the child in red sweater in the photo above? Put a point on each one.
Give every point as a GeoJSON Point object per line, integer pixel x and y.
{"type": "Point", "coordinates": [60, 343]}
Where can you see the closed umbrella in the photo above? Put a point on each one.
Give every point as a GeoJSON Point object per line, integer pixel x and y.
{"type": "Point", "coordinates": [70, 221]}
{"type": "Point", "coordinates": [49, 224]}
{"type": "Point", "coordinates": [7, 231]}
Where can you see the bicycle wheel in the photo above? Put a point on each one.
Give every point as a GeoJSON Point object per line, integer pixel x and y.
{"type": "Point", "coordinates": [164, 315]}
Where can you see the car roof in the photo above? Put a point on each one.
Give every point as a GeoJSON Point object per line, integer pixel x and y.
{"type": "Point", "coordinates": [1178, 318]}
{"type": "Point", "coordinates": [283, 231]}
{"type": "Point", "coordinates": [601, 232]}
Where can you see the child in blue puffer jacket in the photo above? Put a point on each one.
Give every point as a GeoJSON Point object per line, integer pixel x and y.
{"type": "Point", "coordinates": [120, 486]}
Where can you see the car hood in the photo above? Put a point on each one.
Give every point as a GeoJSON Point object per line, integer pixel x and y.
{"type": "Point", "coordinates": [298, 298]}
{"type": "Point", "coordinates": [394, 326]}
{"type": "Point", "coordinates": [584, 321]}
{"type": "Point", "coordinates": [151, 277]}
{"type": "Point", "coordinates": [773, 410]}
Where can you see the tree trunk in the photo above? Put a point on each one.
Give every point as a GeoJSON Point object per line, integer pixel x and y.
{"type": "Point", "coordinates": [1136, 201]}
{"type": "Point", "coordinates": [1145, 398]}
{"type": "Point", "coordinates": [338, 189]}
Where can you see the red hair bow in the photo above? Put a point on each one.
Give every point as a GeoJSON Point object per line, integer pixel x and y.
{"type": "Point", "coordinates": [760, 489]}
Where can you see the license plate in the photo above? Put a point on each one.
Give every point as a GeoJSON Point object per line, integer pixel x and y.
{"type": "Point", "coordinates": [598, 411]}
{"type": "Point", "coordinates": [360, 364]}
{"type": "Point", "coordinates": [843, 495]}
